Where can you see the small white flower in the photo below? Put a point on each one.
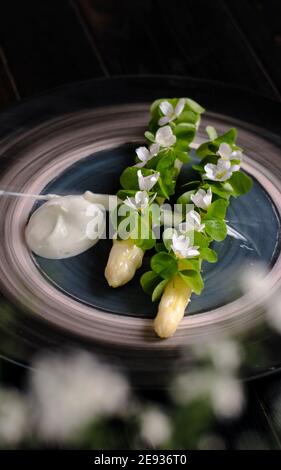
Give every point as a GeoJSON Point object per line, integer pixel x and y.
{"type": "Point", "coordinates": [145, 154]}
{"type": "Point", "coordinates": [165, 137]}
{"type": "Point", "coordinates": [146, 183]}
{"type": "Point", "coordinates": [155, 427]}
{"type": "Point", "coordinates": [227, 396]}
{"type": "Point", "coordinates": [13, 417]}
{"type": "Point", "coordinates": [68, 392]}
{"type": "Point", "coordinates": [170, 113]}
{"type": "Point", "coordinates": [227, 154]}
{"type": "Point", "coordinates": [139, 201]}
{"type": "Point", "coordinates": [192, 223]}
{"type": "Point", "coordinates": [202, 198]}
{"type": "Point", "coordinates": [222, 171]}
{"type": "Point", "coordinates": [182, 248]}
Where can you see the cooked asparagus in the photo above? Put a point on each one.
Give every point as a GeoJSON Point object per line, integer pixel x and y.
{"type": "Point", "coordinates": [124, 259]}
{"type": "Point", "coordinates": [174, 300]}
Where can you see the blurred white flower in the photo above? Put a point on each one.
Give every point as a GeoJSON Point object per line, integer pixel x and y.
{"type": "Point", "coordinates": [273, 313]}
{"type": "Point", "coordinates": [192, 385]}
{"type": "Point", "coordinates": [155, 427]}
{"type": "Point", "coordinates": [165, 137]}
{"type": "Point", "coordinates": [211, 442]}
{"type": "Point", "coordinates": [202, 198]}
{"type": "Point", "coordinates": [146, 183]}
{"type": "Point", "coordinates": [227, 154]}
{"type": "Point", "coordinates": [221, 171]}
{"type": "Point", "coordinates": [13, 417]}
{"type": "Point", "coordinates": [255, 281]}
{"type": "Point", "coordinates": [182, 247]}
{"type": "Point", "coordinates": [227, 396]}
{"type": "Point", "coordinates": [145, 154]}
{"type": "Point", "coordinates": [192, 223]}
{"type": "Point", "coordinates": [68, 392]}
{"type": "Point", "coordinates": [226, 354]}
{"type": "Point", "coordinates": [215, 381]}
{"type": "Point", "coordinates": [169, 112]}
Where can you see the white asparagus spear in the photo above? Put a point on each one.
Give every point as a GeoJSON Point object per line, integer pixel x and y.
{"type": "Point", "coordinates": [124, 259]}
{"type": "Point", "coordinates": [174, 300]}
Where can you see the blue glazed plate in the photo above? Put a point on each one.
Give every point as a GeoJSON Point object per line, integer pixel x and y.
{"type": "Point", "coordinates": [81, 138]}
{"type": "Point", "coordinates": [83, 276]}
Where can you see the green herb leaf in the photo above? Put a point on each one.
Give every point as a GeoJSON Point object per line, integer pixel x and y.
{"type": "Point", "coordinates": [217, 209]}
{"type": "Point", "coordinates": [156, 294]}
{"type": "Point", "coordinates": [164, 264]}
{"type": "Point", "coordinates": [190, 264]}
{"type": "Point", "coordinates": [185, 133]}
{"type": "Point", "coordinates": [216, 228]}
{"type": "Point", "coordinates": [240, 182]}
{"type": "Point", "coordinates": [124, 193]}
{"type": "Point", "coordinates": [201, 240]}
{"type": "Point", "coordinates": [149, 281]}
{"type": "Point", "coordinates": [193, 279]}
{"type": "Point", "coordinates": [129, 178]}
{"type": "Point", "coordinates": [149, 136]}
{"type": "Point", "coordinates": [185, 198]}
{"type": "Point", "coordinates": [143, 236]}
{"type": "Point", "coordinates": [194, 106]}
{"type": "Point", "coordinates": [209, 255]}
{"type": "Point", "coordinates": [212, 133]}
{"type": "Point", "coordinates": [160, 247]}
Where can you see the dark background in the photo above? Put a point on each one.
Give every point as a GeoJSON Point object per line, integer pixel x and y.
{"type": "Point", "coordinates": [47, 43]}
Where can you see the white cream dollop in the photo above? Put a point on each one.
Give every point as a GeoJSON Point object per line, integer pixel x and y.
{"type": "Point", "coordinates": [66, 226]}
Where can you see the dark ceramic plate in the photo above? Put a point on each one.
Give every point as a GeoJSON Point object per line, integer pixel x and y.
{"type": "Point", "coordinates": [81, 138]}
{"type": "Point", "coordinates": [83, 276]}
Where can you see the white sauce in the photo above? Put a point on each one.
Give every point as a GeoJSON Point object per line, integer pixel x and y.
{"type": "Point", "coordinates": [66, 226]}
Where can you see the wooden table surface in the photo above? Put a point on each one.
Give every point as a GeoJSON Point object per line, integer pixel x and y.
{"type": "Point", "coordinates": [44, 44]}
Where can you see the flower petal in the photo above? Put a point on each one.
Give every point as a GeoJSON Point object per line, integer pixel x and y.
{"type": "Point", "coordinates": [154, 149]}
{"type": "Point", "coordinates": [164, 120]}
{"type": "Point", "coordinates": [165, 137]}
{"type": "Point", "coordinates": [143, 154]}
{"type": "Point", "coordinates": [130, 202]}
{"type": "Point", "coordinates": [191, 252]}
{"type": "Point", "coordinates": [146, 183]}
{"type": "Point", "coordinates": [180, 106]}
{"type": "Point", "coordinates": [237, 155]}
{"type": "Point", "coordinates": [225, 151]}
{"type": "Point", "coordinates": [202, 198]}
{"type": "Point", "coordinates": [142, 199]}
{"type": "Point", "coordinates": [166, 108]}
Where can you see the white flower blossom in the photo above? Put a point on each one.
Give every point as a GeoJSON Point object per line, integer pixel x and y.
{"type": "Point", "coordinates": [13, 417]}
{"type": "Point", "coordinates": [202, 198]}
{"type": "Point", "coordinates": [227, 154]}
{"type": "Point", "coordinates": [146, 183]}
{"type": "Point", "coordinates": [68, 392]}
{"type": "Point", "coordinates": [145, 154]}
{"type": "Point", "coordinates": [221, 171]}
{"type": "Point", "coordinates": [182, 247]}
{"type": "Point", "coordinates": [227, 396]}
{"type": "Point", "coordinates": [165, 137]}
{"type": "Point", "coordinates": [155, 427]}
{"type": "Point", "coordinates": [170, 113]}
{"type": "Point", "coordinates": [139, 201]}
{"type": "Point", "coordinates": [192, 223]}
